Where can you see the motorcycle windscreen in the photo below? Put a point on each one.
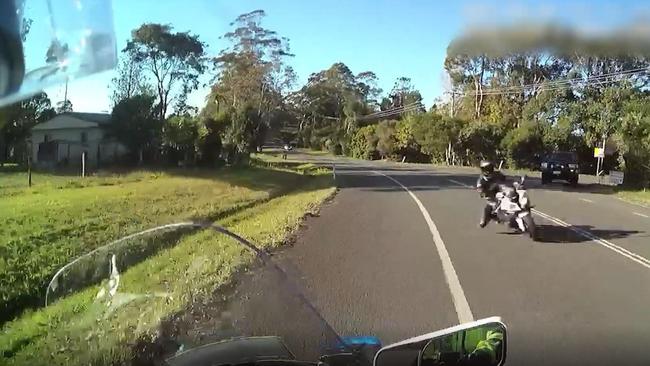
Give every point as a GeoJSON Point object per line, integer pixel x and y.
{"type": "Point", "coordinates": [185, 294]}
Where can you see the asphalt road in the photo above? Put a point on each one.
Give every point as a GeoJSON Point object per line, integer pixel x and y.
{"type": "Point", "coordinates": [373, 264]}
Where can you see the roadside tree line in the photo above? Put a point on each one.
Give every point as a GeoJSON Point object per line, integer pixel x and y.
{"type": "Point", "coordinates": [514, 95]}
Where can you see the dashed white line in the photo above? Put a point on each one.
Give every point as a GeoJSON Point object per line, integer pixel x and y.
{"type": "Point", "coordinates": [459, 183]}
{"type": "Point", "coordinates": [586, 200]}
{"type": "Point", "coordinates": [642, 215]}
{"type": "Point", "coordinates": [607, 244]}
{"type": "Point", "coordinates": [457, 294]}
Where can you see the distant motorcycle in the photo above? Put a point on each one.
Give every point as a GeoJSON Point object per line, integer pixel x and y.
{"type": "Point", "coordinates": [512, 206]}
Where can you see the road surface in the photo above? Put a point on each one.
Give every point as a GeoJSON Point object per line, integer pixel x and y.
{"type": "Point", "coordinates": [398, 253]}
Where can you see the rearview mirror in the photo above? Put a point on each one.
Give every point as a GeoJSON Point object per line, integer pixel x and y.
{"type": "Point", "coordinates": [480, 343]}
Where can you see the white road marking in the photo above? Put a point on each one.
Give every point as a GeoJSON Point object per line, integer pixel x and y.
{"type": "Point", "coordinates": [586, 200]}
{"type": "Point", "coordinates": [607, 244]}
{"type": "Point", "coordinates": [459, 183]}
{"type": "Point", "coordinates": [457, 294]}
{"type": "Point", "coordinates": [642, 215]}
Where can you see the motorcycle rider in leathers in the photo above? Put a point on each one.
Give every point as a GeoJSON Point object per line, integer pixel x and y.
{"type": "Point", "coordinates": [488, 186]}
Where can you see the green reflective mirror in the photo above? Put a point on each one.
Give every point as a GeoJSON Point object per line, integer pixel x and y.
{"type": "Point", "coordinates": [482, 345]}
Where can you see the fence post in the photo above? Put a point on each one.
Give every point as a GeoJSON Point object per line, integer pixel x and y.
{"type": "Point", "coordinates": [333, 171]}
{"type": "Point", "coordinates": [83, 164]}
{"type": "Point", "coordinates": [29, 168]}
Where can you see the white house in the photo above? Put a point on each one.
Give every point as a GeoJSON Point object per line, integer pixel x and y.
{"type": "Point", "coordinates": [62, 140]}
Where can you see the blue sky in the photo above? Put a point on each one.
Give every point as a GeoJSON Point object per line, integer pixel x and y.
{"type": "Point", "coordinates": [390, 37]}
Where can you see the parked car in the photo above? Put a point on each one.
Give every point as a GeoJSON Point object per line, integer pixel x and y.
{"type": "Point", "coordinates": [560, 165]}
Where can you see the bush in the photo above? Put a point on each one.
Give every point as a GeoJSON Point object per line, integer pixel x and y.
{"type": "Point", "coordinates": [386, 139]}
{"type": "Point", "coordinates": [481, 141]}
{"type": "Point", "coordinates": [522, 144]}
{"type": "Point", "coordinates": [333, 147]}
{"type": "Point", "coordinates": [363, 144]}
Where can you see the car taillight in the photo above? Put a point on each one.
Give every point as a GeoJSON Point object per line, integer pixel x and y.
{"type": "Point", "coordinates": [544, 165]}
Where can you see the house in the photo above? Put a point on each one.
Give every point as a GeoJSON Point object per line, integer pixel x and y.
{"type": "Point", "coordinates": [62, 140]}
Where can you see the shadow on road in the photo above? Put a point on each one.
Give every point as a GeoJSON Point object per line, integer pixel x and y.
{"type": "Point", "coordinates": [536, 184]}
{"type": "Point", "coordinates": [559, 234]}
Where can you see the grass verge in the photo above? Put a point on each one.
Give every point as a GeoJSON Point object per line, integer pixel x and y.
{"type": "Point", "coordinates": [639, 197]}
{"type": "Point", "coordinates": [69, 331]}
{"type": "Point", "coordinates": [46, 227]}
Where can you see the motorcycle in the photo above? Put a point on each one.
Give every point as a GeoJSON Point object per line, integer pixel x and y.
{"type": "Point", "coordinates": [249, 313]}
{"type": "Point", "coordinates": [513, 207]}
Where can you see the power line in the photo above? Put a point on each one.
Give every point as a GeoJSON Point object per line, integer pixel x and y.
{"type": "Point", "coordinates": [548, 86]}
{"type": "Point", "coordinates": [559, 84]}
{"type": "Point", "coordinates": [393, 111]}
{"type": "Point", "coordinates": [384, 115]}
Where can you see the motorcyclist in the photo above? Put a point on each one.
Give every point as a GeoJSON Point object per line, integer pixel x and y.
{"type": "Point", "coordinates": [488, 186]}
{"type": "Point", "coordinates": [487, 351]}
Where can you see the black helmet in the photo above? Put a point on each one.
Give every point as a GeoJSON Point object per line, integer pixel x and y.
{"type": "Point", "coordinates": [486, 167]}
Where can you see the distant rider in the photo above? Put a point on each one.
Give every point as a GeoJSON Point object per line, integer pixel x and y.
{"type": "Point", "coordinates": [488, 186]}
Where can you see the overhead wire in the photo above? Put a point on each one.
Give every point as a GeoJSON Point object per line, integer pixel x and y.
{"type": "Point", "coordinates": [393, 111]}
{"type": "Point", "coordinates": [559, 84]}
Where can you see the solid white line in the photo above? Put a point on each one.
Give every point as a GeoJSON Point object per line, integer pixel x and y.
{"type": "Point", "coordinates": [457, 294]}
{"type": "Point", "coordinates": [586, 200]}
{"type": "Point", "coordinates": [642, 215]}
{"type": "Point", "coordinates": [607, 244]}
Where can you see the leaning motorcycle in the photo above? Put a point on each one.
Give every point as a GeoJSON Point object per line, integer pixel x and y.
{"type": "Point", "coordinates": [513, 207]}
{"type": "Point", "coordinates": [199, 294]}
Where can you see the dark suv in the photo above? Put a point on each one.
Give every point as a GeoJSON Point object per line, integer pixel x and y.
{"type": "Point", "coordinates": [560, 165]}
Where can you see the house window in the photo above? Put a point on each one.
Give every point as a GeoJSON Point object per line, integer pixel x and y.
{"type": "Point", "coordinates": [84, 137]}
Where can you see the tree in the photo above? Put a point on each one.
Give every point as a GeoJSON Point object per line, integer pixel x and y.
{"type": "Point", "coordinates": [252, 81]}
{"type": "Point", "coordinates": [174, 60]}
{"type": "Point", "coordinates": [523, 143]}
{"type": "Point", "coordinates": [134, 123]}
{"type": "Point", "coordinates": [181, 137]}
{"type": "Point", "coordinates": [403, 93]}
{"type": "Point", "coordinates": [19, 118]}
{"type": "Point", "coordinates": [386, 139]}
{"type": "Point", "coordinates": [363, 144]}
{"type": "Point", "coordinates": [210, 144]}
{"type": "Point", "coordinates": [130, 79]}
{"type": "Point", "coordinates": [64, 106]}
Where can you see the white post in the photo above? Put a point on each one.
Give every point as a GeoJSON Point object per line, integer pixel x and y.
{"type": "Point", "coordinates": [333, 171]}
{"type": "Point", "coordinates": [83, 164]}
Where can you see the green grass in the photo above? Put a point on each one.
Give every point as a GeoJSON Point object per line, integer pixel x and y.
{"type": "Point", "coordinates": [62, 217]}
{"type": "Point", "coordinates": [69, 331]}
{"type": "Point", "coordinates": [274, 160]}
{"type": "Point", "coordinates": [641, 197]}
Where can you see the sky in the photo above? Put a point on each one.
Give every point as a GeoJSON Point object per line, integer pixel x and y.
{"type": "Point", "coordinates": [392, 38]}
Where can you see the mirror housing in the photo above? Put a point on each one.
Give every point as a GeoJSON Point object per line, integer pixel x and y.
{"type": "Point", "coordinates": [482, 342]}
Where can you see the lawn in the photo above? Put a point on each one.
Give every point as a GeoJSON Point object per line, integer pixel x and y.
{"type": "Point", "coordinates": [63, 217]}
{"type": "Point", "coordinates": [641, 197]}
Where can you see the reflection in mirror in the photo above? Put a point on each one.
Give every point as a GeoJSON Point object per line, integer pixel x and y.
{"type": "Point", "coordinates": [483, 345]}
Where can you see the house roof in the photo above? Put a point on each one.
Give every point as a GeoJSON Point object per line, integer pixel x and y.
{"type": "Point", "coordinates": [71, 120]}
{"type": "Point", "coordinates": [99, 118]}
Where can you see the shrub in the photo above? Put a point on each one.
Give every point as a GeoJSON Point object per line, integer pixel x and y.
{"type": "Point", "coordinates": [363, 144]}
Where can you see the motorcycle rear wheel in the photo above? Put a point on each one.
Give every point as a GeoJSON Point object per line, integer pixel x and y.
{"type": "Point", "coordinates": [530, 226]}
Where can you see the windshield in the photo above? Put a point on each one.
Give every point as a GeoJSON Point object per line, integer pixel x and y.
{"type": "Point", "coordinates": [338, 146]}
{"type": "Point", "coordinates": [563, 157]}
{"type": "Point", "coordinates": [142, 292]}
